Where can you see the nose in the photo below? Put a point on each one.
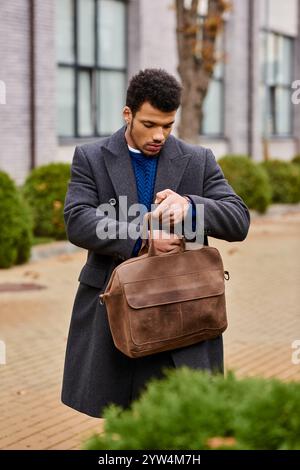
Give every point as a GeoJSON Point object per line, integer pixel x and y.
{"type": "Point", "coordinates": [159, 135]}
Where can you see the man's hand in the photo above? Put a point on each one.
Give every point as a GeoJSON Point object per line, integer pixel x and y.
{"type": "Point", "coordinates": [172, 207]}
{"type": "Point", "coordinates": [165, 242]}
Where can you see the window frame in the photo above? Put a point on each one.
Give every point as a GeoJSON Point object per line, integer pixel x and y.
{"type": "Point", "coordinates": [221, 80]}
{"type": "Point", "coordinates": [271, 89]}
{"type": "Point", "coordinates": [94, 69]}
{"type": "Point", "coordinates": [220, 135]}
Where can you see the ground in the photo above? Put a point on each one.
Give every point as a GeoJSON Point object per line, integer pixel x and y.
{"type": "Point", "coordinates": [263, 301]}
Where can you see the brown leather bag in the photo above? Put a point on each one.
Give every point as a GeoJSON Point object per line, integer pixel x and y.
{"type": "Point", "coordinates": [162, 302]}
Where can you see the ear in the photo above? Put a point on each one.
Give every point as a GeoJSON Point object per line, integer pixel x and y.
{"type": "Point", "coordinates": [127, 114]}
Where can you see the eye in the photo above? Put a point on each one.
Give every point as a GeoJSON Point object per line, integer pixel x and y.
{"type": "Point", "coordinates": [148, 125]}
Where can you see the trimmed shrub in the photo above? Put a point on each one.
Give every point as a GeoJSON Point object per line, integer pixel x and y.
{"type": "Point", "coordinates": [285, 180]}
{"type": "Point", "coordinates": [45, 190]}
{"type": "Point", "coordinates": [15, 225]}
{"type": "Point", "coordinates": [249, 181]}
{"type": "Point", "coordinates": [195, 410]}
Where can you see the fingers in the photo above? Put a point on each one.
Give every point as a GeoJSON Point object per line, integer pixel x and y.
{"type": "Point", "coordinates": [163, 207]}
{"type": "Point", "coordinates": [165, 246]}
{"type": "Point", "coordinates": [165, 236]}
{"type": "Point", "coordinates": [161, 195]}
{"type": "Point", "coordinates": [171, 211]}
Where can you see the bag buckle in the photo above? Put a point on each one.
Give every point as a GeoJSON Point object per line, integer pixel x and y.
{"type": "Point", "coordinates": [226, 275]}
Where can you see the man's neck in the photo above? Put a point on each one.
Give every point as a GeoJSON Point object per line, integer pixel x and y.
{"type": "Point", "coordinates": [128, 138]}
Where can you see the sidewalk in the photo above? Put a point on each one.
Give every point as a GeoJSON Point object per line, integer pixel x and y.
{"type": "Point", "coordinates": [263, 302]}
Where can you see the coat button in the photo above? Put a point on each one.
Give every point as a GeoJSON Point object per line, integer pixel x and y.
{"type": "Point", "coordinates": [112, 201]}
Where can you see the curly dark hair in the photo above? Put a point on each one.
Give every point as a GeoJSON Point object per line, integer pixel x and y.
{"type": "Point", "coordinates": [156, 86]}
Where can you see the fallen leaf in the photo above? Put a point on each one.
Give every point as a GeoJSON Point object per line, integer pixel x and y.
{"type": "Point", "coordinates": [218, 441]}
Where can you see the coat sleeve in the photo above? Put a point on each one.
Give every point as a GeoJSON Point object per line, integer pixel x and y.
{"type": "Point", "coordinates": [226, 216]}
{"type": "Point", "coordinates": [83, 222]}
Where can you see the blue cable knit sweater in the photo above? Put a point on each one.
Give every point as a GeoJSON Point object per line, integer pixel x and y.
{"type": "Point", "coordinates": [145, 172]}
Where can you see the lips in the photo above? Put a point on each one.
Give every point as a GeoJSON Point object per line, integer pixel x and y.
{"type": "Point", "coordinates": [154, 147]}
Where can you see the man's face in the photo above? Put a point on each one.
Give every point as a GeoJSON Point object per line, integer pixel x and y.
{"type": "Point", "coordinates": [148, 130]}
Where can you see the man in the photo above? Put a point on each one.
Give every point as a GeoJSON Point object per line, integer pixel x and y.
{"type": "Point", "coordinates": [143, 162]}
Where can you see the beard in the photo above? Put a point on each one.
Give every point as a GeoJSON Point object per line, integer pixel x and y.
{"type": "Point", "coordinates": [136, 146]}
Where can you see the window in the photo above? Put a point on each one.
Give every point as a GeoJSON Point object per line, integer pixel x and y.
{"type": "Point", "coordinates": [213, 107]}
{"type": "Point", "coordinates": [91, 74]}
{"type": "Point", "coordinates": [276, 83]}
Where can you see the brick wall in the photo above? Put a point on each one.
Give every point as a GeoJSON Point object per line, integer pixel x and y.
{"type": "Point", "coordinates": [15, 73]}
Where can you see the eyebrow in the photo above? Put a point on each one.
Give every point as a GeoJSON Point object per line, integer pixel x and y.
{"type": "Point", "coordinates": [155, 123]}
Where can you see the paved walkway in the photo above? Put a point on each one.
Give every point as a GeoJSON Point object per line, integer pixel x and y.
{"type": "Point", "coordinates": [263, 302]}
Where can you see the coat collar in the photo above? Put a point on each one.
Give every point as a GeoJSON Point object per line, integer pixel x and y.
{"type": "Point", "coordinates": [171, 166]}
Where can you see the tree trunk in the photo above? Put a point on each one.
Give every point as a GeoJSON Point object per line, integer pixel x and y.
{"type": "Point", "coordinates": [196, 40]}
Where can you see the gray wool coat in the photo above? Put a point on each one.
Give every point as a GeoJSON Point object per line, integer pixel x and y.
{"type": "Point", "coordinates": [96, 373]}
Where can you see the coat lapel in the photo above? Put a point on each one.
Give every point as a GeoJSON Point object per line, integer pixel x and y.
{"type": "Point", "coordinates": [120, 169]}
{"type": "Point", "coordinates": [171, 166]}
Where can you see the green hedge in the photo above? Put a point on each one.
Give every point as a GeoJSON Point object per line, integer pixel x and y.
{"type": "Point", "coordinates": [296, 159]}
{"type": "Point", "coordinates": [45, 190]}
{"type": "Point", "coordinates": [249, 181]}
{"type": "Point", "coordinates": [194, 410]}
{"type": "Point", "coordinates": [285, 180]}
{"type": "Point", "coordinates": [15, 225]}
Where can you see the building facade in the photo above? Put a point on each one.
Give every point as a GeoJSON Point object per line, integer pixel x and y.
{"type": "Point", "coordinates": [65, 65]}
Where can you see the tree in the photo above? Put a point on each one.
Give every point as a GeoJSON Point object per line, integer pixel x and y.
{"type": "Point", "coordinates": [196, 43]}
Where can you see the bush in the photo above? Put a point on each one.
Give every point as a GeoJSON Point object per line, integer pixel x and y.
{"type": "Point", "coordinates": [45, 190]}
{"type": "Point", "coordinates": [194, 410]}
{"type": "Point", "coordinates": [296, 160]}
{"type": "Point", "coordinates": [248, 180]}
{"type": "Point", "coordinates": [285, 180]}
{"type": "Point", "coordinates": [15, 225]}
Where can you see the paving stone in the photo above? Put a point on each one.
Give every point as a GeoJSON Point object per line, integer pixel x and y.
{"type": "Point", "coordinates": [263, 311]}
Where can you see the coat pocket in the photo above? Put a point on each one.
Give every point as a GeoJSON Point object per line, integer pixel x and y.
{"type": "Point", "coordinates": [94, 276]}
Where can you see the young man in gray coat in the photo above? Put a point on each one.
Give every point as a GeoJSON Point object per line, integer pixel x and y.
{"type": "Point", "coordinates": [145, 163]}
